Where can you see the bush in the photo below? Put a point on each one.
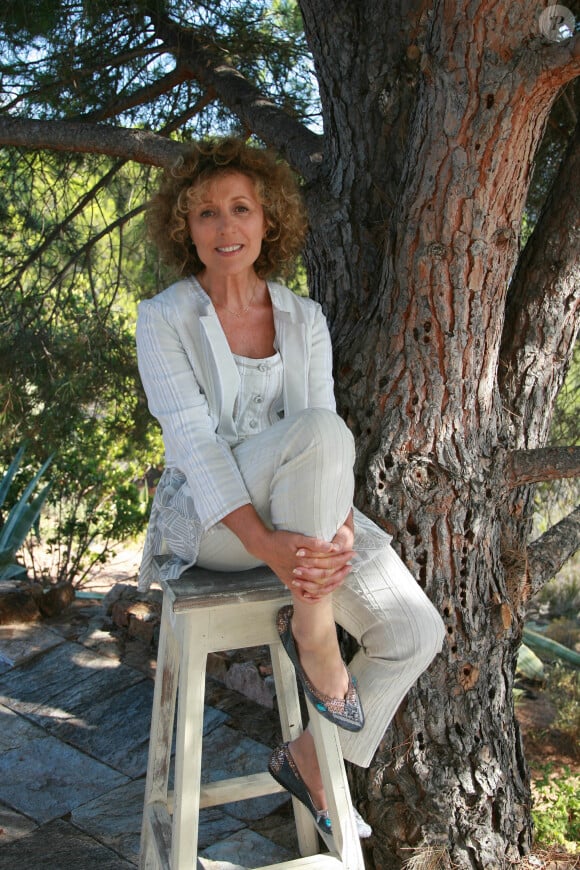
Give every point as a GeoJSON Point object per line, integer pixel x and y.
{"type": "Point", "coordinates": [22, 517]}
{"type": "Point", "coordinates": [556, 810]}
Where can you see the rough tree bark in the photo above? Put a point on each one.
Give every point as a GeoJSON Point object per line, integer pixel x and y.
{"type": "Point", "coordinates": [431, 131]}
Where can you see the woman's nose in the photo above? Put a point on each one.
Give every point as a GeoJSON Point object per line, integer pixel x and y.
{"type": "Point", "coordinates": [224, 222]}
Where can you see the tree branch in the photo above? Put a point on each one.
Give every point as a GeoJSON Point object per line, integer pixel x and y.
{"type": "Point", "coordinates": [549, 552]}
{"type": "Point", "coordinates": [78, 136]}
{"type": "Point", "coordinates": [536, 466]}
{"type": "Point", "coordinates": [563, 56]}
{"type": "Point", "coordinates": [81, 72]}
{"type": "Point", "coordinates": [541, 320]}
{"type": "Point", "coordinates": [212, 68]}
{"type": "Point", "coordinates": [141, 96]}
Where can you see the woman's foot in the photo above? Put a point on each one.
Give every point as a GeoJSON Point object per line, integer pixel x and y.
{"type": "Point", "coordinates": [342, 708]}
{"type": "Point", "coordinates": [303, 755]}
{"type": "Point", "coordinates": [282, 766]}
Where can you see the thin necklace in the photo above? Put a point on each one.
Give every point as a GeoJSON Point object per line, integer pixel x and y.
{"type": "Point", "coordinates": [241, 311]}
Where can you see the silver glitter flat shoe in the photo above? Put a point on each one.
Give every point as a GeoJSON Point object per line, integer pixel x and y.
{"type": "Point", "coordinates": [283, 768]}
{"type": "Point", "coordinates": [345, 712]}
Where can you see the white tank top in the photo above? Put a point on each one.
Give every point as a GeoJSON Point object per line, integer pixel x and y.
{"type": "Point", "coordinates": [260, 402]}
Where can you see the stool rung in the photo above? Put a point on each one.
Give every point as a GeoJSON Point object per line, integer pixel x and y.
{"type": "Point", "coordinates": [312, 862]}
{"type": "Point", "coordinates": [239, 788]}
{"type": "Point", "coordinates": [160, 822]}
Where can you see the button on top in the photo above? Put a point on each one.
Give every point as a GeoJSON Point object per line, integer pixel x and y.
{"type": "Point", "coordinates": [263, 367]}
{"type": "Point", "coordinates": [258, 399]}
{"type": "Point", "coordinates": [253, 424]}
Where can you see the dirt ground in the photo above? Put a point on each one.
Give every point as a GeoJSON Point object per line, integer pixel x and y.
{"type": "Point", "coordinates": [543, 742]}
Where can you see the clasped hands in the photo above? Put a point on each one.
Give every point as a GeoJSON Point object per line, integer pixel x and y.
{"type": "Point", "coordinates": [310, 567]}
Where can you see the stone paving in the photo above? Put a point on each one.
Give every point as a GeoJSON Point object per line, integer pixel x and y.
{"type": "Point", "coordinates": [75, 706]}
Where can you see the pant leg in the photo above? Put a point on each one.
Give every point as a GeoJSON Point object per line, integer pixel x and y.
{"type": "Point", "coordinates": [299, 476]}
{"type": "Point", "coordinates": [399, 631]}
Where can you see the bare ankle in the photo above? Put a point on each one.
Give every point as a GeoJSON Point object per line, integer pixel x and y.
{"type": "Point", "coordinates": [314, 642]}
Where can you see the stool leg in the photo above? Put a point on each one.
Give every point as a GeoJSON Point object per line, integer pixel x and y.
{"type": "Point", "coordinates": [329, 753]}
{"type": "Point", "coordinates": [291, 722]}
{"type": "Point", "coordinates": [188, 749]}
{"type": "Point", "coordinates": [162, 719]}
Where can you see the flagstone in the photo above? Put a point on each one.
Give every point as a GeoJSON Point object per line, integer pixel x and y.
{"type": "Point", "coordinates": [20, 643]}
{"type": "Point", "coordinates": [67, 666]}
{"type": "Point", "coordinates": [57, 846]}
{"type": "Point", "coordinates": [44, 777]}
{"type": "Point", "coordinates": [13, 825]}
{"type": "Point", "coordinates": [114, 728]}
{"type": "Point", "coordinates": [245, 848]}
{"type": "Point", "coordinates": [115, 818]}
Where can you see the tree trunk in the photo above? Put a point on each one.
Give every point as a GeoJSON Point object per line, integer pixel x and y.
{"type": "Point", "coordinates": [430, 133]}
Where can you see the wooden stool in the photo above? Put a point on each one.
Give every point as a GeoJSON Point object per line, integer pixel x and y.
{"type": "Point", "coordinates": [207, 611]}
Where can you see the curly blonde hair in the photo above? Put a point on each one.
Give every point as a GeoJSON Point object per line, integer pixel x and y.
{"type": "Point", "coordinates": [184, 183]}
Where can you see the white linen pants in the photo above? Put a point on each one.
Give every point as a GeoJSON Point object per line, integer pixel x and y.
{"type": "Point", "coordinates": [299, 476]}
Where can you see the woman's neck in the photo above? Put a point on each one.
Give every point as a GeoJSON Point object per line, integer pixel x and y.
{"type": "Point", "coordinates": [234, 294]}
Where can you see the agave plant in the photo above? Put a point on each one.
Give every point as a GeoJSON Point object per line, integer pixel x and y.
{"type": "Point", "coordinates": [22, 518]}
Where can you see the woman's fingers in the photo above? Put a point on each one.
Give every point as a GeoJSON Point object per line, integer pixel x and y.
{"type": "Point", "coordinates": [323, 574]}
{"type": "Point", "coordinates": [318, 589]}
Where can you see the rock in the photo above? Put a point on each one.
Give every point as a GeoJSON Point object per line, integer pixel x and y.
{"type": "Point", "coordinates": [245, 678]}
{"type": "Point", "coordinates": [137, 612]}
{"type": "Point", "coordinates": [143, 617]}
{"type": "Point", "coordinates": [18, 606]}
{"type": "Point", "coordinates": [54, 599]}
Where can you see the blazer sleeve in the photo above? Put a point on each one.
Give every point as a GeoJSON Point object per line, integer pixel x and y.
{"type": "Point", "coordinates": [320, 380]}
{"type": "Point", "coordinates": [179, 404]}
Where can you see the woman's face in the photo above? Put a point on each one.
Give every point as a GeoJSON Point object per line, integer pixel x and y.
{"type": "Point", "coordinates": [227, 224]}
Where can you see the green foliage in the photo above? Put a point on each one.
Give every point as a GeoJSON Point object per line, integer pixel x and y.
{"type": "Point", "coordinates": [74, 256]}
{"type": "Point", "coordinates": [556, 792]}
{"type": "Point", "coordinates": [68, 376]}
{"type": "Point", "coordinates": [565, 427]}
{"type": "Point", "coordinates": [98, 505]}
{"type": "Point", "coordinates": [550, 648]}
{"type": "Point", "coordinates": [22, 517]}
{"type": "Point", "coordinates": [559, 130]}
{"type": "Point", "coordinates": [556, 811]}
{"type": "Point", "coordinates": [73, 58]}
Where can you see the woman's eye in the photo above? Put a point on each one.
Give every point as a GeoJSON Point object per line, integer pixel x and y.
{"type": "Point", "coordinates": [241, 208]}
{"type": "Point", "coordinates": [206, 213]}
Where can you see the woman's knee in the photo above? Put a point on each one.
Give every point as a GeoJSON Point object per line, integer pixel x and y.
{"type": "Point", "coordinates": [327, 429]}
{"type": "Point", "coordinates": [414, 637]}
{"type": "Point", "coordinates": [430, 632]}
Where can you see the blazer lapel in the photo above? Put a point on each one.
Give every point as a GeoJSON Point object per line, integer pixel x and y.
{"type": "Point", "coordinates": [222, 371]}
{"type": "Point", "coordinates": [291, 336]}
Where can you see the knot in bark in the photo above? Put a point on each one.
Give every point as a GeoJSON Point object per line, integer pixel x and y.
{"type": "Point", "coordinates": [422, 479]}
{"type": "Point", "coordinates": [437, 250]}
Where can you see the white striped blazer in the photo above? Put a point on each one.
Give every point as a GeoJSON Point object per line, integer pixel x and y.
{"type": "Point", "coordinates": [191, 381]}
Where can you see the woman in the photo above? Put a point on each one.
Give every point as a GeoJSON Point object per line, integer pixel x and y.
{"type": "Point", "coordinates": [238, 371]}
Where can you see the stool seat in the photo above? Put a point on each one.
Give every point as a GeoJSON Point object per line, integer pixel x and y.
{"type": "Point", "coordinates": [209, 611]}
